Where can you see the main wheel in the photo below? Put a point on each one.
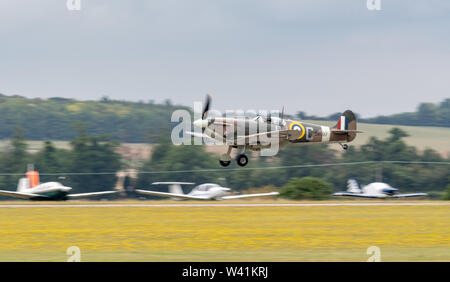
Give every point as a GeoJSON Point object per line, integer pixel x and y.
{"type": "Point", "coordinates": [345, 146]}
{"type": "Point", "coordinates": [224, 163]}
{"type": "Point", "coordinates": [242, 160]}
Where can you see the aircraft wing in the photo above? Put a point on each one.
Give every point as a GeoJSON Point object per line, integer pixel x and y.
{"type": "Point", "coordinates": [25, 196]}
{"type": "Point", "coordinates": [199, 135]}
{"type": "Point", "coordinates": [355, 195]}
{"type": "Point", "coordinates": [222, 123]}
{"type": "Point", "coordinates": [249, 195]}
{"type": "Point", "coordinates": [245, 139]}
{"type": "Point", "coordinates": [87, 195]}
{"type": "Point", "coordinates": [180, 183]}
{"type": "Point", "coordinates": [169, 195]}
{"type": "Point", "coordinates": [410, 195]}
{"type": "Point", "coordinates": [282, 134]}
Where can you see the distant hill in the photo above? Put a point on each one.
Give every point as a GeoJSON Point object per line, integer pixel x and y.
{"type": "Point", "coordinates": [421, 137]}
{"type": "Point", "coordinates": [143, 122]}
{"type": "Point", "coordinates": [54, 118]}
{"type": "Point", "coordinates": [427, 114]}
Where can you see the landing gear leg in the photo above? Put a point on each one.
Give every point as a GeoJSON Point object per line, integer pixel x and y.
{"type": "Point", "coordinates": [225, 159]}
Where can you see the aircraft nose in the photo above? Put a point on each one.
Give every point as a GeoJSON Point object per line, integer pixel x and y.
{"type": "Point", "coordinates": [201, 123]}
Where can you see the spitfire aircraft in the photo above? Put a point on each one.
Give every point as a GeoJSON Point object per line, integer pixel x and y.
{"type": "Point", "coordinates": [30, 188]}
{"type": "Point", "coordinates": [207, 191]}
{"type": "Point", "coordinates": [261, 132]}
{"type": "Point", "coordinates": [374, 190]}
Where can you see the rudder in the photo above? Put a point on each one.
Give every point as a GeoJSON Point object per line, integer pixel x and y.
{"type": "Point", "coordinates": [33, 177]}
{"type": "Point", "coordinates": [23, 184]}
{"type": "Point", "coordinates": [347, 121]}
{"type": "Point", "coordinates": [353, 186]}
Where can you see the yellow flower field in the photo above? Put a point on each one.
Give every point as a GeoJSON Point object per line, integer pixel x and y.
{"type": "Point", "coordinates": [339, 233]}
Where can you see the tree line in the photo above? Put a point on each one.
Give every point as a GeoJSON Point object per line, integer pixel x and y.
{"type": "Point", "coordinates": [82, 166]}
{"type": "Point", "coordinates": [426, 114]}
{"type": "Point", "coordinates": [260, 173]}
{"type": "Point", "coordinates": [144, 121]}
{"type": "Point", "coordinates": [88, 154]}
{"type": "Point", "coordinates": [52, 119]}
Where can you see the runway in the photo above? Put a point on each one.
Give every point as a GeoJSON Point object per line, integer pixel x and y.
{"type": "Point", "coordinates": [218, 205]}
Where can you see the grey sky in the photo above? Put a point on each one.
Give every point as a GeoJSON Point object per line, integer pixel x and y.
{"type": "Point", "coordinates": [318, 56]}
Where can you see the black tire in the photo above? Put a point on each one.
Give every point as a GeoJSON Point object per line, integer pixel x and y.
{"type": "Point", "coordinates": [224, 163]}
{"type": "Point", "coordinates": [242, 160]}
{"type": "Point", "coordinates": [345, 146]}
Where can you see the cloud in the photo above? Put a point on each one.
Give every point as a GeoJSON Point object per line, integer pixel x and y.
{"type": "Point", "coordinates": [316, 56]}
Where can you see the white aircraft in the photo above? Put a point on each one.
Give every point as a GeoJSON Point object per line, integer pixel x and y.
{"type": "Point", "coordinates": [207, 191]}
{"type": "Point", "coordinates": [29, 188]}
{"type": "Point", "coordinates": [374, 190]}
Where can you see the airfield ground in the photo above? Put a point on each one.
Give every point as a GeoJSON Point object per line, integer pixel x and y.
{"type": "Point", "coordinates": [414, 232]}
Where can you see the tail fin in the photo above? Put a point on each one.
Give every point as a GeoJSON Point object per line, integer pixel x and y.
{"type": "Point", "coordinates": [176, 189]}
{"type": "Point", "coordinates": [33, 178]}
{"type": "Point", "coordinates": [24, 183]}
{"type": "Point", "coordinates": [353, 186]}
{"type": "Point", "coordinates": [347, 123]}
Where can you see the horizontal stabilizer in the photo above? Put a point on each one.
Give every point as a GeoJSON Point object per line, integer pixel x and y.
{"type": "Point", "coordinates": [337, 131]}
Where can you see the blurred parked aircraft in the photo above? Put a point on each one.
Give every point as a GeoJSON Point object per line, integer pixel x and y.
{"type": "Point", "coordinates": [29, 188]}
{"type": "Point", "coordinates": [207, 191]}
{"type": "Point", "coordinates": [374, 190]}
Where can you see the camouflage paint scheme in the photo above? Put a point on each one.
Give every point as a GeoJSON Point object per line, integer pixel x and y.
{"type": "Point", "coordinates": [233, 128]}
{"type": "Point", "coordinates": [271, 133]}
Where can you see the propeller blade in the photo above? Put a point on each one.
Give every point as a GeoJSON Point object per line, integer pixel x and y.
{"type": "Point", "coordinates": [206, 107]}
{"type": "Point", "coordinates": [282, 113]}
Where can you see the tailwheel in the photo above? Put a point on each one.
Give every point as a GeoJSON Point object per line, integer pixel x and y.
{"type": "Point", "coordinates": [224, 163]}
{"type": "Point", "coordinates": [242, 160]}
{"type": "Point", "coordinates": [344, 146]}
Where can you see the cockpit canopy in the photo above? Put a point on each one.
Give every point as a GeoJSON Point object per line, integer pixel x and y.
{"type": "Point", "coordinates": [51, 184]}
{"type": "Point", "coordinates": [272, 120]}
{"type": "Point", "coordinates": [206, 187]}
{"type": "Point", "coordinates": [379, 188]}
{"type": "Point", "coordinates": [277, 121]}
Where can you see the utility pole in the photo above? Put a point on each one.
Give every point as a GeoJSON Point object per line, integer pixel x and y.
{"type": "Point", "coordinates": [30, 167]}
{"type": "Point", "coordinates": [379, 172]}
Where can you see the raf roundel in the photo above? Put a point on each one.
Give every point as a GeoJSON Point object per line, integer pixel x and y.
{"type": "Point", "coordinates": [297, 126]}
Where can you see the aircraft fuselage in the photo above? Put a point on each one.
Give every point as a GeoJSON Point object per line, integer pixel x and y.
{"type": "Point", "coordinates": [53, 190]}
